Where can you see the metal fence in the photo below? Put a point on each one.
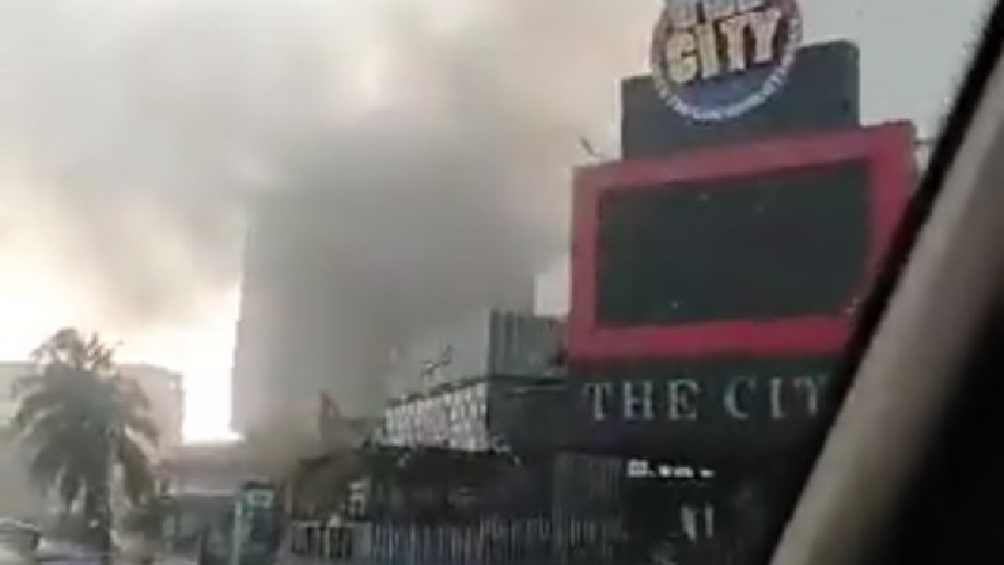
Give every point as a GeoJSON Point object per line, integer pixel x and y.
{"type": "Point", "coordinates": [490, 541]}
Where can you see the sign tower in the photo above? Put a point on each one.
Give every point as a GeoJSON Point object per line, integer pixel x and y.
{"type": "Point", "coordinates": [717, 268]}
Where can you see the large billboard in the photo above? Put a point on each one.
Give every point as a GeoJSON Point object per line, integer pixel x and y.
{"type": "Point", "coordinates": [762, 250]}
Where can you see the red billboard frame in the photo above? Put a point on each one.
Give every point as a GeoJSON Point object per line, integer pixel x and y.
{"type": "Point", "coordinates": [889, 151]}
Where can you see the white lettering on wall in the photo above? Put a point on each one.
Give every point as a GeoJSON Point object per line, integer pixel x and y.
{"type": "Point", "coordinates": [733, 403]}
{"type": "Point", "coordinates": [598, 393]}
{"type": "Point", "coordinates": [689, 399]}
{"type": "Point", "coordinates": [810, 387]}
{"type": "Point", "coordinates": [638, 401]}
{"type": "Point", "coordinates": [776, 408]}
{"type": "Point", "coordinates": [683, 400]}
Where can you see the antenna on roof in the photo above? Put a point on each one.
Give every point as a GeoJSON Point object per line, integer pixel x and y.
{"type": "Point", "coordinates": [587, 146]}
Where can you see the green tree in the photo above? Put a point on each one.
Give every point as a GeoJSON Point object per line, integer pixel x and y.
{"type": "Point", "coordinates": [82, 420]}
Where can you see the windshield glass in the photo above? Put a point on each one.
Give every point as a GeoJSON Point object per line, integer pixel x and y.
{"type": "Point", "coordinates": [492, 281]}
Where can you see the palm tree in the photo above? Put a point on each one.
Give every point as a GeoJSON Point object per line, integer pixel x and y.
{"type": "Point", "coordinates": [83, 420]}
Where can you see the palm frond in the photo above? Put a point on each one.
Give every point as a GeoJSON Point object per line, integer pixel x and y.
{"type": "Point", "coordinates": [141, 426]}
{"type": "Point", "coordinates": [47, 426]}
{"type": "Point", "coordinates": [132, 395]}
{"type": "Point", "coordinates": [71, 484]}
{"type": "Point", "coordinates": [137, 477]}
{"type": "Point", "coordinates": [100, 356]}
{"type": "Point", "coordinates": [25, 384]}
{"type": "Point", "coordinates": [67, 457]}
{"type": "Point", "coordinates": [40, 403]}
{"type": "Point", "coordinates": [47, 464]}
{"type": "Point", "coordinates": [57, 348]}
{"type": "Point", "coordinates": [132, 407]}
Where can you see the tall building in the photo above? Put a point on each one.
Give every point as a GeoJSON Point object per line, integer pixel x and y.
{"type": "Point", "coordinates": [552, 288]}
{"type": "Point", "coordinates": [326, 296]}
{"type": "Point", "coordinates": [301, 330]}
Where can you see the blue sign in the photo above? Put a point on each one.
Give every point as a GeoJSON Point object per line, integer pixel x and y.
{"type": "Point", "coordinates": [715, 60]}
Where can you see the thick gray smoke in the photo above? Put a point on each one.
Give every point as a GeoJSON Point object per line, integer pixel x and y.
{"type": "Point", "coordinates": [441, 132]}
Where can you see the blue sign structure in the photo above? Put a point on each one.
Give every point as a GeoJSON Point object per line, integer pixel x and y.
{"type": "Point", "coordinates": [715, 60]}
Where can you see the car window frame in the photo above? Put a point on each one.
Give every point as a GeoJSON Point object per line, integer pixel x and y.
{"type": "Point", "coordinates": [937, 288]}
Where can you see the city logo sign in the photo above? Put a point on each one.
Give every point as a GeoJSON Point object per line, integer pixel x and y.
{"type": "Point", "coordinates": [715, 60]}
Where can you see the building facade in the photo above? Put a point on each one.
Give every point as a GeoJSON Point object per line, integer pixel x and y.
{"type": "Point", "coordinates": [324, 302]}
{"type": "Point", "coordinates": [209, 468]}
{"type": "Point", "coordinates": [484, 342]}
{"type": "Point", "coordinates": [18, 496]}
{"type": "Point", "coordinates": [552, 288]}
{"type": "Point", "coordinates": [462, 386]}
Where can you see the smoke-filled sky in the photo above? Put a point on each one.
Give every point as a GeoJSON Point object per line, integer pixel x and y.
{"type": "Point", "coordinates": [136, 135]}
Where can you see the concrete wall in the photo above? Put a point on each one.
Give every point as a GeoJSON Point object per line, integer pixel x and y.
{"type": "Point", "coordinates": [301, 328]}
{"type": "Point", "coordinates": [18, 496]}
{"type": "Point", "coordinates": [9, 372]}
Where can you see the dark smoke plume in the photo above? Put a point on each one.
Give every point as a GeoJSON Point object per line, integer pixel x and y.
{"type": "Point", "coordinates": [441, 132]}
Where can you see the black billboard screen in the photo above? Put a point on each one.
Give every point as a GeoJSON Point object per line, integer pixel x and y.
{"type": "Point", "coordinates": [785, 244]}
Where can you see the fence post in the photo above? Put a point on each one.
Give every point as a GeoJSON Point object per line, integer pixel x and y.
{"type": "Point", "coordinates": [471, 544]}
{"type": "Point", "coordinates": [482, 542]}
